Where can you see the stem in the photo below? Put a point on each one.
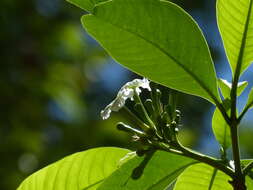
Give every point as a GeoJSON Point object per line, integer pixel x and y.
{"type": "Point", "coordinates": [236, 149]}
{"type": "Point", "coordinates": [216, 163]}
{"type": "Point", "coordinates": [132, 117]}
{"type": "Point", "coordinates": [138, 100]}
{"type": "Point", "coordinates": [183, 151]}
{"type": "Point", "coordinates": [243, 113]}
{"type": "Point", "coordinates": [238, 181]}
{"type": "Point", "coordinates": [165, 147]}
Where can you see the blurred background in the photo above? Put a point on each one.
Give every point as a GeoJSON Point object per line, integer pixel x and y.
{"type": "Point", "coordinates": [55, 79]}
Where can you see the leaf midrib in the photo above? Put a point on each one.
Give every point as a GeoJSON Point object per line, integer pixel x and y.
{"type": "Point", "coordinates": [243, 43]}
{"type": "Point", "coordinates": [93, 184]}
{"type": "Point", "coordinates": [202, 85]}
{"type": "Point", "coordinates": [215, 170]}
{"type": "Point", "coordinates": [174, 172]}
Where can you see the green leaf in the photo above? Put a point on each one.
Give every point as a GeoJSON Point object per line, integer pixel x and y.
{"type": "Point", "coordinates": [241, 87]}
{"type": "Point", "coordinates": [250, 99]}
{"type": "Point", "coordinates": [235, 20]}
{"type": "Point", "coordinates": [153, 173]}
{"type": "Point", "coordinates": [226, 86]}
{"type": "Point", "coordinates": [158, 40]}
{"type": "Point", "coordinates": [249, 182]}
{"type": "Point", "coordinates": [220, 128]}
{"type": "Point", "coordinates": [202, 177]}
{"type": "Point", "coordinates": [87, 5]}
{"type": "Point", "coordinates": [83, 170]}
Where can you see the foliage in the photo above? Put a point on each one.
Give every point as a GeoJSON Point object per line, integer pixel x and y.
{"type": "Point", "coordinates": [236, 34]}
{"type": "Point", "coordinates": [143, 36]}
{"type": "Point", "coordinates": [84, 170]}
{"type": "Point", "coordinates": [150, 46]}
{"type": "Point", "coordinates": [210, 178]}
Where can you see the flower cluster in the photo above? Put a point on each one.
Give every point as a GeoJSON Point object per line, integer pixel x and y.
{"type": "Point", "coordinates": [155, 120]}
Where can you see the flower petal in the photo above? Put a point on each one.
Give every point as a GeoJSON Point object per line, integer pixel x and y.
{"type": "Point", "coordinates": [126, 92]}
{"type": "Point", "coordinates": [105, 114]}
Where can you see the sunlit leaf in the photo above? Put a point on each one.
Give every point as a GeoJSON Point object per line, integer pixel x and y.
{"type": "Point", "coordinates": [158, 40]}
{"type": "Point", "coordinates": [153, 173]}
{"type": "Point", "coordinates": [249, 182]}
{"type": "Point", "coordinates": [220, 128]}
{"type": "Point", "coordinates": [83, 170]}
{"type": "Point", "coordinates": [235, 20]}
{"type": "Point", "coordinates": [202, 177]}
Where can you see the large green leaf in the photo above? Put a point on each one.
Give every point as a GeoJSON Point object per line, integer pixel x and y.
{"type": "Point", "coordinates": [84, 170]}
{"type": "Point", "coordinates": [226, 86]}
{"type": "Point", "coordinates": [235, 20]}
{"type": "Point", "coordinates": [158, 40]}
{"type": "Point", "coordinates": [87, 5]}
{"type": "Point", "coordinates": [153, 173]}
{"type": "Point", "coordinates": [202, 177]}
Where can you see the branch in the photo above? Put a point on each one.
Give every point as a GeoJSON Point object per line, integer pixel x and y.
{"type": "Point", "coordinates": [183, 151]}
{"type": "Point", "coordinates": [236, 149]}
{"type": "Point", "coordinates": [216, 163]}
{"type": "Point", "coordinates": [243, 113]}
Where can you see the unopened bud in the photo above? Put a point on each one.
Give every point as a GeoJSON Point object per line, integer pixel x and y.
{"type": "Point", "coordinates": [173, 124]}
{"type": "Point", "coordinates": [123, 127]}
{"type": "Point", "coordinates": [177, 119]}
{"type": "Point", "coordinates": [139, 110]}
{"type": "Point", "coordinates": [178, 112]}
{"type": "Point", "coordinates": [149, 105]}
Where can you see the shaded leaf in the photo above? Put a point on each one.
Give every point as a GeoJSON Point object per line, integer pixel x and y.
{"type": "Point", "coordinates": [87, 5]}
{"type": "Point", "coordinates": [235, 20]}
{"type": "Point", "coordinates": [249, 177]}
{"type": "Point", "coordinates": [159, 172]}
{"type": "Point", "coordinates": [202, 177]}
{"type": "Point", "coordinates": [158, 40]}
{"type": "Point", "coordinates": [83, 170]}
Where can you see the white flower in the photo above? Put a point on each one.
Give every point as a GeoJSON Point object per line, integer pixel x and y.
{"type": "Point", "coordinates": [232, 164]}
{"type": "Point", "coordinates": [126, 92]}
